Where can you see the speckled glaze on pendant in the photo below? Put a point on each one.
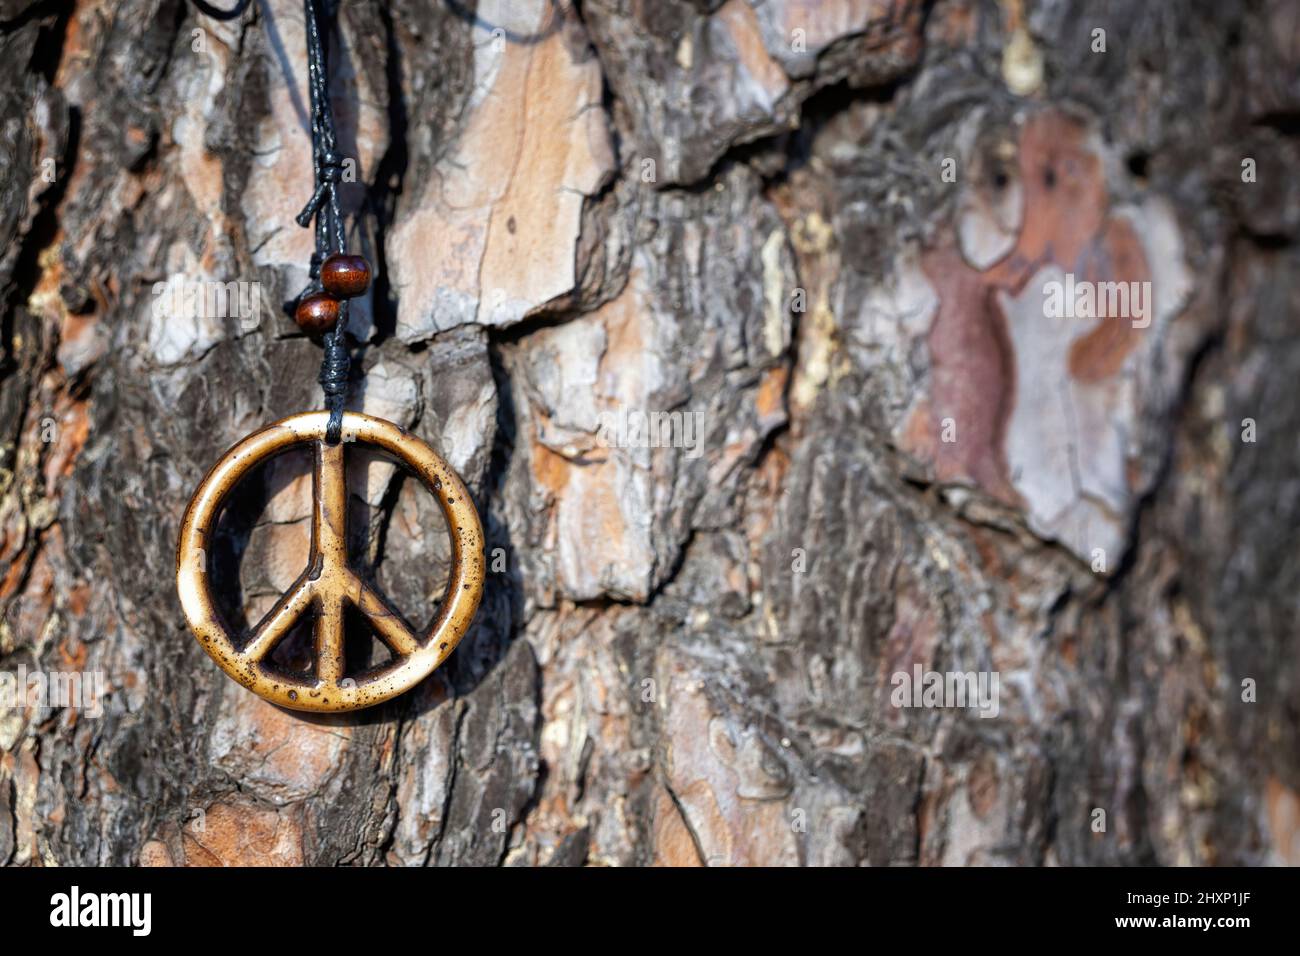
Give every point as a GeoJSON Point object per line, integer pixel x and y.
{"type": "Point", "coordinates": [327, 585]}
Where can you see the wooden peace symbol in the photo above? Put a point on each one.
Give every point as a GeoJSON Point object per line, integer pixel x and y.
{"type": "Point", "coordinates": [328, 584]}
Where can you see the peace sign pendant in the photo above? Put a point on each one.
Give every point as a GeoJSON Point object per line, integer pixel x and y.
{"type": "Point", "coordinates": [328, 584]}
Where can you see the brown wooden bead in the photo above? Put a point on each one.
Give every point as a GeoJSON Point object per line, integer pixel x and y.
{"type": "Point", "coordinates": [317, 313]}
{"type": "Point", "coordinates": [345, 275]}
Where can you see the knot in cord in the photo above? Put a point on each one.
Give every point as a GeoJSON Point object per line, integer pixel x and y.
{"type": "Point", "coordinates": [329, 172]}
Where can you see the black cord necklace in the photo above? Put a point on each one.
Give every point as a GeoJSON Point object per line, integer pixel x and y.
{"type": "Point", "coordinates": [328, 584]}
{"type": "Point", "coordinates": [335, 275]}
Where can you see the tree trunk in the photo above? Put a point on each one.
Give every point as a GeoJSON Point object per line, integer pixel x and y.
{"type": "Point", "coordinates": [760, 331]}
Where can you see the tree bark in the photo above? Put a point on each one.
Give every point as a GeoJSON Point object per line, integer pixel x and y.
{"type": "Point", "coordinates": [735, 318]}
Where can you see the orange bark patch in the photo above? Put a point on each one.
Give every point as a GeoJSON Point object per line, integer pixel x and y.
{"type": "Point", "coordinates": [742, 24]}
{"type": "Point", "coordinates": [244, 836]}
{"type": "Point", "coordinates": [550, 469]}
{"type": "Point", "coordinates": [9, 583]}
{"type": "Point", "coordinates": [155, 853]}
{"type": "Point", "coordinates": [277, 754]}
{"type": "Point", "coordinates": [673, 845]}
{"type": "Point", "coordinates": [541, 121]}
{"type": "Point", "coordinates": [72, 654]}
{"type": "Point", "coordinates": [973, 376]}
{"type": "Point", "coordinates": [982, 787]}
{"type": "Point", "coordinates": [1065, 198]}
{"type": "Point", "coordinates": [78, 599]}
{"type": "Point", "coordinates": [37, 602]}
{"type": "Point", "coordinates": [770, 400]}
{"type": "Point", "coordinates": [73, 427]}
{"type": "Point", "coordinates": [625, 348]}
{"type": "Point", "coordinates": [1284, 821]}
